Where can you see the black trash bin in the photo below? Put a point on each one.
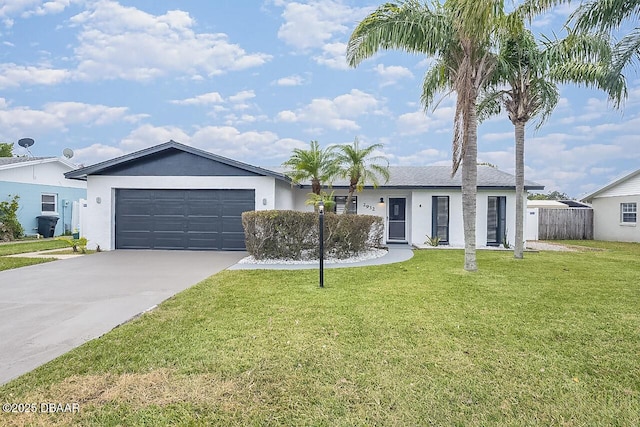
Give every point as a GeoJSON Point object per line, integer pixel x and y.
{"type": "Point", "coordinates": [47, 225]}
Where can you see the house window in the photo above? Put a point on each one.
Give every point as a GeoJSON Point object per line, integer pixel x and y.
{"type": "Point", "coordinates": [342, 200]}
{"type": "Point", "coordinates": [49, 203]}
{"type": "Point", "coordinates": [440, 218]}
{"type": "Point", "coordinates": [496, 220]}
{"type": "Point", "coordinates": [628, 213]}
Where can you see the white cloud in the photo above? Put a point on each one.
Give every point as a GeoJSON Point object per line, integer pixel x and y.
{"type": "Point", "coordinates": [96, 153]}
{"type": "Point", "coordinates": [148, 135]}
{"type": "Point", "coordinates": [419, 122]}
{"type": "Point", "coordinates": [321, 26]}
{"type": "Point", "coordinates": [57, 116]}
{"type": "Point", "coordinates": [127, 43]}
{"type": "Point", "coordinates": [242, 96]}
{"type": "Point", "coordinates": [293, 80]}
{"type": "Point", "coordinates": [498, 136]}
{"type": "Point", "coordinates": [204, 99]}
{"type": "Point", "coordinates": [314, 24]}
{"type": "Point", "coordinates": [333, 56]}
{"type": "Point", "coordinates": [13, 75]}
{"type": "Point", "coordinates": [423, 157]}
{"type": "Point", "coordinates": [392, 74]}
{"type": "Point", "coordinates": [334, 113]}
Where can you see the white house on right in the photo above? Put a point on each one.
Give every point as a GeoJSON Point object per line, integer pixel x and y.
{"type": "Point", "coordinates": [615, 209]}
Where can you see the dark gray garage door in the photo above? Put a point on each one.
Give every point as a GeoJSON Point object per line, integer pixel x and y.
{"type": "Point", "coordinates": [181, 219]}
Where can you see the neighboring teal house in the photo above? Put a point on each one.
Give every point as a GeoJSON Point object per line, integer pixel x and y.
{"type": "Point", "coordinates": [43, 191]}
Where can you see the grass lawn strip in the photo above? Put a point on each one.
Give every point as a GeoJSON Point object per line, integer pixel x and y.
{"type": "Point", "coordinates": [31, 246]}
{"type": "Point", "coordinates": [549, 340]}
{"type": "Point", "coordinates": [7, 263]}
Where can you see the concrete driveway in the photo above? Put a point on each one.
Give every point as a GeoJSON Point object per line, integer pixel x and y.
{"type": "Point", "coordinates": [49, 309]}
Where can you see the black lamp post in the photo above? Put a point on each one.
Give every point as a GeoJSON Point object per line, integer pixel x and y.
{"type": "Point", "coordinates": [321, 222]}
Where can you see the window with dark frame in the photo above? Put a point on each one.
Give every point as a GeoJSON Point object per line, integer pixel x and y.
{"type": "Point", "coordinates": [440, 218]}
{"type": "Point", "coordinates": [341, 202]}
{"type": "Point", "coordinates": [628, 213]}
{"type": "Point", "coordinates": [49, 203]}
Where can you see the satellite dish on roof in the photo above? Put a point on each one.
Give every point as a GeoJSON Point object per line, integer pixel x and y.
{"type": "Point", "coordinates": [26, 142]}
{"type": "Point", "coordinates": [68, 153]}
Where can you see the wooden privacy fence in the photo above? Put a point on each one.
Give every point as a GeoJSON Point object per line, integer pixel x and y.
{"type": "Point", "coordinates": [565, 224]}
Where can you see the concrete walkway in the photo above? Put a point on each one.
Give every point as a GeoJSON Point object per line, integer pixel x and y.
{"type": "Point", "coordinates": [49, 309]}
{"type": "Point", "coordinates": [396, 253]}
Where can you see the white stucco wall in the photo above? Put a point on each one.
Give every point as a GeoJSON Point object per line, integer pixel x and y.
{"type": "Point", "coordinates": [419, 208]}
{"type": "Point", "coordinates": [50, 173]}
{"type": "Point", "coordinates": [284, 196]}
{"type": "Point", "coordinates": [100, 216]}
{"type": "Point", "coordinates": [607, 223]}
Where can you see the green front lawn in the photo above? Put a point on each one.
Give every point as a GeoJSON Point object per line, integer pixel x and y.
{"type": "Point", "coordinates": [31, 246]}
{"type": "Point", "coordinates": [23, 248]}
{"type": "Point", "coordinates": [550, 340]}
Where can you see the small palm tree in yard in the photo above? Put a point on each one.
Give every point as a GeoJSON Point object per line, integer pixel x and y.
{"type": "Point", "coordinates": [315, 164]}
{"type": "Point", "coordinates": [360, 166]}
{"type": "Point", "coordinates": [524, 85]}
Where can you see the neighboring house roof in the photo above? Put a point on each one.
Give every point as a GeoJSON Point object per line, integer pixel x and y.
{"type": "Point", "coordinates": [589, 198]}
{"type": "Point", "coordinates": [18, 162]}
{"type": "Point", "coordinates": [105, 167]}
{"type": "Point", "coordinates": [575, 204]}
{"type": "Point", "coordinates": [440, 177]}
{"type": "Point", "coordinates": [547, 204]}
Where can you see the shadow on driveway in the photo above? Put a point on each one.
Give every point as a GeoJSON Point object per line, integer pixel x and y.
{"type": "Point", "coordinates": [49, 309]}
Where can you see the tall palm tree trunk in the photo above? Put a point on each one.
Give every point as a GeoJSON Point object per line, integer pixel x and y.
{"type": "Point", "coordinates": [518, 251]}
{"type": "Point", "coordinates": [470, 189]}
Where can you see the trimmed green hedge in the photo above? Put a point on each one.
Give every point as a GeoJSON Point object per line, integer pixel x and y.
{"type": "Point", "coordinates": [294, 235]}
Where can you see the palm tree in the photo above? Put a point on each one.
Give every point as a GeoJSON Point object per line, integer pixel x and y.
{"type": "Point", "coordinates": [606, 16]}
{"type": "Point", "coordinates": [530, 75]}
{"type": "Point", "coordinates": [315, 164]}
{"type": "Point", "coordinates": [523, 67]}
{"type": "Point", "coordinates": [458, 35]}
{"type": "Point", "coordinates": [360, 167]}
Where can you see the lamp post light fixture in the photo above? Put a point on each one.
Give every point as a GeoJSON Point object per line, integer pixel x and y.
{"type": "Point", "coordinates": [321, 229]}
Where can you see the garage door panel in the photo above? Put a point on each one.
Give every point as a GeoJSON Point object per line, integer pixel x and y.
{"type": "Point", "coordinates": [181, 219]}
{"type": "Point", "coordinates": [169, 224]}
{"type": "Point", "coordinates": [203, 225]}
{"type": "Point", "coordinates": [136, 208]}
{"type": "Point", "coordinates": [231, 225]}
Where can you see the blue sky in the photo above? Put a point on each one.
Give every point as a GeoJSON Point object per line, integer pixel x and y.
{"type": "Point", "coordinates": [252, 80]}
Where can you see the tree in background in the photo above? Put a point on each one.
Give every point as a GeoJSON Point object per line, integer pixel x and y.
{"type": "Point", "coordinates": [6, 149]}
{"type": "Point", "coordinates": [552, 195]}
{"type": "Point", "coordinates": [315, 164]}
{"type": "Point", "coordinates": [360, 167]}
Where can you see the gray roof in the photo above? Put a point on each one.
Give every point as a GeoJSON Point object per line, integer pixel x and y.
{"type": "Point", "coordinates": [14, 160]}
{"type": "Point", "coordinates": [440, 177]}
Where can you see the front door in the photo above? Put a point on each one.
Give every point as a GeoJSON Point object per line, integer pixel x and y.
{"type": "Point", "coordinates": [397, 218]}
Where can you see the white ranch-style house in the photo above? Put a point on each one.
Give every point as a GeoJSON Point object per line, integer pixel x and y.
{"type": "Point", "coordinates": [173, 196]}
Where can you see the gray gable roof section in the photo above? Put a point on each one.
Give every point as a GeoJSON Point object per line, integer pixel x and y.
{"type": "Point", "coordinates": [439, 177]}
{"type": "Point", "coordinates": [172, 159]}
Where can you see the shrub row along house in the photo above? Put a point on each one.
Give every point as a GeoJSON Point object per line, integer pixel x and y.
{"type": "Point", "coordinates": [172, 196]}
